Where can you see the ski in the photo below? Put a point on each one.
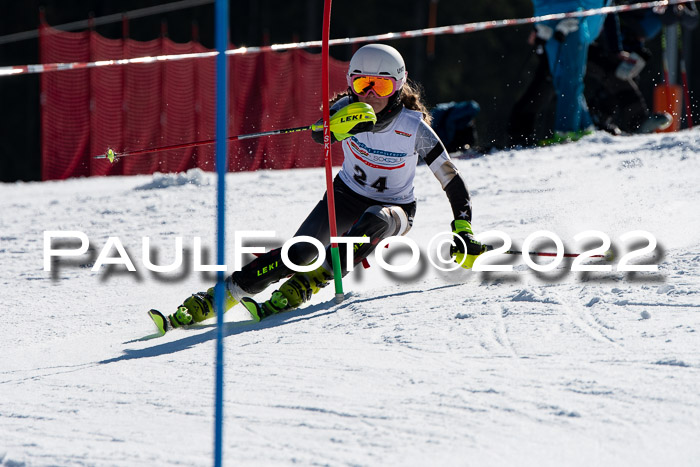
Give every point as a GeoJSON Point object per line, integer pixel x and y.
{"type": "Point", "coordinates": [163, 324]}
{"type": "Point", "coordinates": [159, 320]}
{"type": "Point", "coordinates": [258, 311]}
{"type": "Point", "coordinates": [254, 308]}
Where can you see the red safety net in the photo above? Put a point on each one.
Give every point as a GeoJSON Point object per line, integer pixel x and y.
{"type": "Point", "coordinates": [84, 112]}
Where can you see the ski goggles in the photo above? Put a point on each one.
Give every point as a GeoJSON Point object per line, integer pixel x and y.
{"type": "Point", "coordinates": [381, 86]}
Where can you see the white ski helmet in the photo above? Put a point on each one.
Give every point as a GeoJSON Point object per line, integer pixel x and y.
{"type": "Point", "coordinates": [378, 60]}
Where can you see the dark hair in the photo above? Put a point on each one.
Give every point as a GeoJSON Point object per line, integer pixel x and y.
{"type": "Point", "coordinates": [411, 96]}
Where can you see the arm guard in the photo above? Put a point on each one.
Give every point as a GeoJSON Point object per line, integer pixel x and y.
{"type": "Point", "coordinates": [458, 194]}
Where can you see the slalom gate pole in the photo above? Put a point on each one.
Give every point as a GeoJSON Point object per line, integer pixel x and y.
{"type": "Point", "coordinates": [171, 147]}
{"type": "Point", "coordinates": [221, 31]}
{"type": "Point", "coordinates": [335, 254]}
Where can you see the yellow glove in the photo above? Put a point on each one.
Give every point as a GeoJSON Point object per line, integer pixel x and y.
{"type": "Point", "coordinates": [463, 229]}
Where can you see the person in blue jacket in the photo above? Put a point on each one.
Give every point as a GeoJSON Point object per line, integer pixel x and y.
{"type": "Point", "coordinates": [567, 42]}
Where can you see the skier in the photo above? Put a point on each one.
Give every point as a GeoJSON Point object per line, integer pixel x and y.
{"type": "Point", "coordinates": [373, 193]}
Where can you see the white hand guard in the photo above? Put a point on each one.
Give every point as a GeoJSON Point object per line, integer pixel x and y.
{"type": "Point", "coordinates": [567, 26]}
{"type": "Point", "coordinates": [544, 32]}
{"type": "Point", "coordinates": [632, 64]}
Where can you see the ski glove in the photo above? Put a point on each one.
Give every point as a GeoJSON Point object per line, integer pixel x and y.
{"type": "Point", "coordinates": [463, 229]}
{"type": "Point", "coordinates": [564, 28]}
{"type": "Point", "coordinates": [544, 32]}
{"type": "Point", "coordinates": [630, 66]}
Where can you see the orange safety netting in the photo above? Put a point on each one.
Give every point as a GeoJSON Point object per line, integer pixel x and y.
{"type": "Point", "coordinates": [84, 112]}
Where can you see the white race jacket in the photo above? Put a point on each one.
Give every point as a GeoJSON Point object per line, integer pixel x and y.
{"type": "Point", "coordinates": [381, 165]}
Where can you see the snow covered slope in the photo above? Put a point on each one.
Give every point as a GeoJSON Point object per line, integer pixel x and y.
{"type": "Point", "coordinates": [430, 368]}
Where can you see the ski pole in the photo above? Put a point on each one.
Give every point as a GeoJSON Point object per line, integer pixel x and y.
{"type": "Point", "coordinates": [684, 78]}
{"type": "Point", "coordinates": [664, 63]}
{"type": "Point", "coordinates": [342, 122]}
{"type": "Point", "coordinates": [686, 95]}
{"type": "Point", "coordinates": [607, 255]}
{"type": "Point", "coordinates": [111, 154]}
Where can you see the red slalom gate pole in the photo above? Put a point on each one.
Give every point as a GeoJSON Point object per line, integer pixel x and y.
{"type": "Point", "coordinates": [335, 254]}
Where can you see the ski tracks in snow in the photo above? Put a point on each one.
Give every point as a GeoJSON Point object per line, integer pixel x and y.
{"type": "Point", "coordinates": [459, 368]}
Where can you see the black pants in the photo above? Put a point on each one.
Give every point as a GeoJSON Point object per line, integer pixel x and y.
{"type": "Point", "coordinates": [532, 106]}
{"type": "Point", "coordinates": [352, 219]}
{"type": "Point", "coordinates": [612, 100]}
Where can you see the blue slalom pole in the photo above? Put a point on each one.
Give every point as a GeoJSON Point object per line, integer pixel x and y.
{"type": "Point", "coordinates": [221, 31]}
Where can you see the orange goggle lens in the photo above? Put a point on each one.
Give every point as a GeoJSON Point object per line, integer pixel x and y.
{"type": "Point", "coordinates": [382, 87]}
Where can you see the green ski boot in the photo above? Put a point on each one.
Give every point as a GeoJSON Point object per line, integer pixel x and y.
{"type": "Point", "coordinates": [565, 137]}
{"type": "Point", "coordinates": [198, 307]}
{"type": "Point", "coordinates": [297, 290]}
